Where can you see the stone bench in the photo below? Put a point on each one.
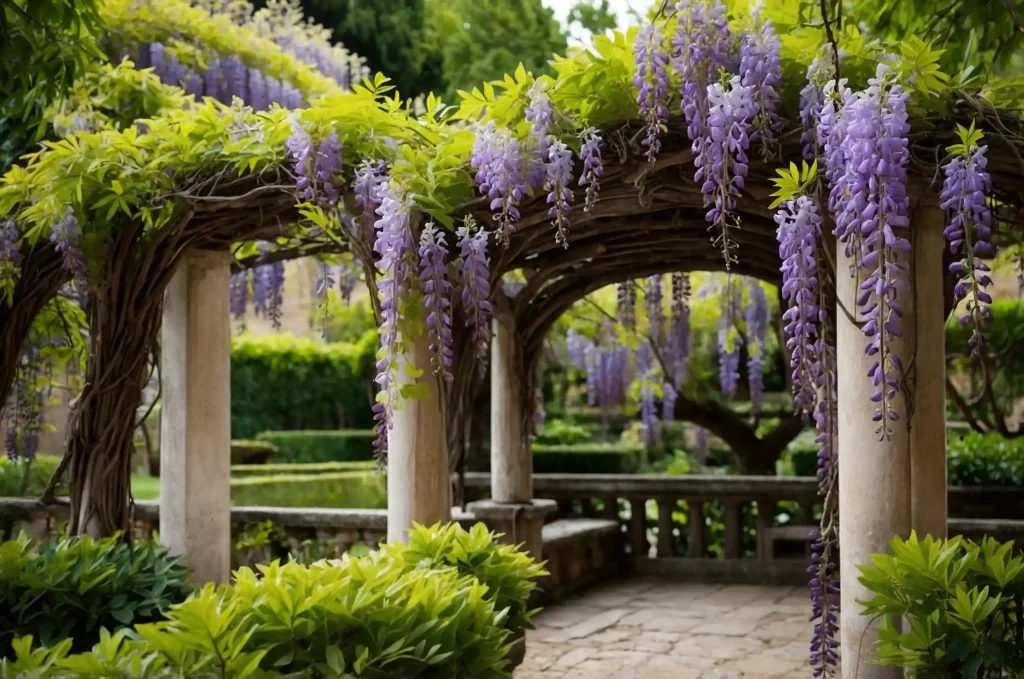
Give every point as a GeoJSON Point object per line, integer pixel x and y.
{"type": "Point", "coordinates": [579, 553]}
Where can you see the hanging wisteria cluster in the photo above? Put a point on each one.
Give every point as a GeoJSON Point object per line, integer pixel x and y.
{"type": "Point", "coordinates": [755, 317]}
{"type": "Point", "coordinates": [677, 347]}
{"type": "Point", "coordinates": [264, 284]}
{"type": "Point", "coordinates": [433, 270]}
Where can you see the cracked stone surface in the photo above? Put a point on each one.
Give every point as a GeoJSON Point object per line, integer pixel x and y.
{"type": "Point", "coordinates": [656, 629]}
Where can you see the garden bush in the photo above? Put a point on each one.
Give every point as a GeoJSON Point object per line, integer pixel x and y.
{"type": "Point", "coordinates": [355, 489]}
{"type": "Point", "coordinates": [282, 382]}
{"type": "Point", "coordinates": [963, 603]}
{"type": "Point", "coordinates": [249, 470]}
{"type": "Point", "coordinates": [252, 452]}
{"type": "Point", "coordinates": [302, 447]}
{"type": "Point", "coordinates": [72, 588]}
{"type": "Point", "coordinates": [559, 432]}
{"type": "Point", "coordinates": [585, 458]}
{"type": "Point", "coordinates": [26, 478]}
{"type": "Point", "coordinates": [975, 459]}
{"type": "Point", "coordinates": [410, 612]}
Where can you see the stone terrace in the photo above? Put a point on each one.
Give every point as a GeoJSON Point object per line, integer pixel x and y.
{"type": "Point", "coordinates": [657, 629]}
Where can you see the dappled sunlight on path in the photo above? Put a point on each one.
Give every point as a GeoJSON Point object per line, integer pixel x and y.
{"type": "Point", "coordinates": [653, 629]}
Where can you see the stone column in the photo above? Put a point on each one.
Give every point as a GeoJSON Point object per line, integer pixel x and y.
{"type": "Point", "coordinates": [511, 510]}
{"type": "Point", "coordinates": [419, 483]}
{"type": "Point", "coordinates": [195, 421]}
{"type": "Point", "coordinates": [874, 480]}
{"type": "Point", "coordinates": [928, 430]}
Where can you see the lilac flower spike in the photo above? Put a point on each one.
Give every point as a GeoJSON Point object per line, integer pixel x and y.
{"type": "Point", "coordinates": [498, 160]}
{"type": "Point", "coordinates": [10, 254]}
{"type": "Point", "coordinates": [437, 300]}
{"type": "Point", "coordinates": [679, 333]}
{"type": "Point", "coordinates": [761, 70]}
{"type": "Point", "coordinates": [723, 170]}
{"type": "Point", "coordinates": [239, 293]}
{"type": "Point", "coordinates": [559, 179]}
{"type": "Point", "coordinates": [756, 319]}
{"type": "Point", "coordinates": [652, 83]}
{"type": "Point", "coordinates": [593, 168]}
{"type": "Point", "coordinates": [474, 270]}
{"type": "Point", "coordinates": [969, 231]}
{"type": "Point", "coordinates": [540, 113]}
{"type": "Point", "coordinates": [369, 178]}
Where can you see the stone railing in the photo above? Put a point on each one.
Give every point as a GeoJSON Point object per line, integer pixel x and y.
{"type": "Point", "coordinates": [679, 540]}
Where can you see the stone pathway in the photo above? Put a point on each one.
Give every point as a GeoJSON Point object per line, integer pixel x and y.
{"type": "Point", "coordinates": [650, 629]}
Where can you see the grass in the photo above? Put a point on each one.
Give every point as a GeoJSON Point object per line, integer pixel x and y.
{"type": "Point", "coordinates": [145, 487]}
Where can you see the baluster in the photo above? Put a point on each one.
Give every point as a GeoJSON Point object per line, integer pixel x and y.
{"type": "Point", "coordinates": [698, 531]}
{"type": "Point", "coordinates": [587, 508]}
{"type": "Point", "coordinates": [666, 541]}
{"type": "Point", "coordinates": [611, 509]}
{"type": "Point", "coordinates": [765, 520]}
{"type": "Point", "coordinates": [638, 528]}
{"type": "Point", "coordinates": [564, 508]}
{"type": "Point", "coordinates": [733, 529]}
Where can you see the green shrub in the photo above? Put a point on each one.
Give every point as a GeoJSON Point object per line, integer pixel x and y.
{"type": "Point", "coordinates": [252, 452]}
{"type": "Point", "coordinates": [27, 478]}
{"type": "Point", "coordinates": [359, 490]}
{"type": "Point", "coordinates": [975, 459]}
{"type": "Point", "coordinates": [248, 470]}
{"type": "Point", "coordinates": [281, 382]}
{"type": "Point", "coordinates": [72, 588]}
{"type": "Point", "coordinates": [800, 458]}
{"type": "Point", "coordinates": [384, 615]}
{"type": "Point", "coordinates": [560, 432]}
{"type": "Point", "coordinates": [963, 602]}
{"type": "Point", "coordinates": [303, 447]}
{"type": "Point", "coordinates": [588, 458]}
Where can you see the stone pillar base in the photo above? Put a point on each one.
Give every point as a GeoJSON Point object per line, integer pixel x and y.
{"type": "Point", "coordinates": [519, 523]}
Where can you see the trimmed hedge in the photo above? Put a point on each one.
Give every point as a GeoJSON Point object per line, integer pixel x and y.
{"type": "Point", "coordinates": [257, 453]}
{"type": "Point", "coordinates": [355, 490]}
{"type": "Point", "coordinates": [975, 459]}
{"type": "Point", "coordinates": [282, 382]}
{"type": "Point", "coordinates": [13, 481]}
{"type": "Point", "coordinates": [585, 459]}
{"type": "Point", "coordinates": [304, 447]}
{"type": "Point", "coordinates": [249, 470]}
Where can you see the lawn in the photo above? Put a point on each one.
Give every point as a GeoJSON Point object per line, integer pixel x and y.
{"type": "Point", "coordinates": [145, 487]}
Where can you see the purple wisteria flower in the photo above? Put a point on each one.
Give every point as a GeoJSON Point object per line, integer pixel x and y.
{"type": "Point", "coordinates": [969, 231]}
{"type": "Point", "coordinates": [799, 229]}
{"type": "Point", "coordinates": [812, 97]}
{"type": "Point", "coordinates": [268, 288]}
{"type": "Point", "coordinates": [824, 607]}
{"type": "Point", "coordinates": [394, 247]}
{"type": "Point", "coordinates": [876, 155]}
{"type": "Point", "coordinates": [653, 302]}
{"type": "Point", "coordinates": [10, 254]}
{"type": "Point", "coordinates": [607, 368]}
{"type": "Point", "coordinates": [577, 345]}
{"type": "Point", "coordinates": [679, 333]}
{"type": "Point", "coordinates": [652, 83]}
{"type": "Point", "coordinates": [557, 182]}
{"type": "Point", "coordinates": [328, 166]}
{"type": "Point", "coordinates": [300, 146]}
{"type": "Point", "coordinates": [498, 161]}
{"type": "Point", "coordinates": [437, 300]}
{"type": "Point", "coordinates": [474, 271]}
{"type": "Point", "coordinates": [761, 70]}
{"type": "Point", "coordinates": [348, 276]}
{"type": "Point", "coordinates": [540, 114]}
{"type": "Point", "coordinates": [649, 415]}
{"type": "Point", "coordinates": [626, 308]}
{"type": "Point", "coordinates": [756, 319]}
{"type": "Point", "coordinates": [700, 50]}
{"type": "Point", "coordinates": [239, 294]}
{"type": "Point", "coordinates": [701, 444]}
{"type": "Point", "coordinates": [316, 173]}
{"type": "Point", "coordinates": [668, 402]}
{"type": "Point", "coordinates": [729, 343]}
{"type": "Point", "coordinates": [369, 178]}
{"type": "Point", "coordinates": [723, 169]}
{"type": "Point", "coordinates": [593, 168]}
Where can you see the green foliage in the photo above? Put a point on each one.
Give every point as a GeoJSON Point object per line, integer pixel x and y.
{"type": "Point", "coordinates": [26, 478]}
{"type": "Point", "coordinates": [281, 382]}
{"type": "Point", "coordinates": [595, 16]}
{"type": "Point", "coordinates": [72, 588]}
{"type": "Point", "coordinates": [252, 452]}
{"type": "Point", "coordinates": [508, 574]}
{"type": "Point", "coordinates": [963, 603]}
{"type": "Point", "coordinates": [559, 432]}
{"type": "Point", "coordinates": [585, 458]}
{"type": "Point", "coordinates": [247, 470]}
{"type": "Point", "coordinates": [349, 489]}
{"type": "Point", "coordinates": [386, 614]}
{"type": "Point", "coordinates": [792, 182]}
{"type": "Point", "coordinates": [306, 447]}
{"type": "Point", "coordinates": [985, 460]}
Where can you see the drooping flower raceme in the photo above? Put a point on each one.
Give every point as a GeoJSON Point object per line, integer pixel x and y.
{"type": "Point", "coordinates": [723, 169]}
{"type": "Point", "coordinates": [761, 70]}
{"type": "Point", "coordinates": [651, 81]}
{"type": "Point", "coordinates": [700, 51]}
{"type": "Point", "coordinates": [394, 246]}
{"type": "Point", "coordinates": [702, 444]}
{"type": "Point", "coordinates": [474, 271]}
{"type": "Point", "coordinates": [626, 309]}
{"type": "Point", "coordinates": [969, 231]}
{"type": "Point", "coordinates": [328, 165]}
{"type": "Point", "coordinates": [239, 293]}
{"type": "Point", "coordinates": [812, 98]}
{"type": "Point", "coordinates": [799, 229]}
{"type": "Point", "coordinates": [876, 156]}
{"type": "Point", "coordinates": [300, 146]}
{"type": "Point", "coordinates": [654, 310]}
{"type": "Point", "coordinates": [577, 345]}
{"type": "Point", "coordinates": [268, 288]}
{"type": "Point", "coordinates": [593, 168]}
{"type": "Point", "coordinates": [10, 254]}
{"type": "Point", "coordinates": [679, 333]}
{"type": "Point", "coordinates": [540, 114]}
{"type": "Point", "coordinates": [65, 238]}
{"type": "Point", "coordinates": [668, 402]}
{"type": "Point", "coordinates": [729, 343]}
{"type": "Point", "coordinates": [437, 300]}
{"type": "Point", "coordinates": [498, 161]}
{"type": "Point", "coordinates": [558, 180]}
{"type": "Point", "coordinates": [649, 415]}
{"type": "Point", "coordinates": [756, 318]}
{"type": "Point", "coordinates": [369, 178]}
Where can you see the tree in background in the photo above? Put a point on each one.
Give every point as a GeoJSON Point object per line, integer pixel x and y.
{"type": "Point", "coordinates": [593, 16]}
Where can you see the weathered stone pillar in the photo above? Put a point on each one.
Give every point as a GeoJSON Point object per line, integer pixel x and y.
{"type": "Point", "coordinates": [419, 483]}
{"type": "Point", "coordinates": [874, 479]}
{"type": "Point", "coordinates": [195, 420]}
{"type": "Point", "coordinates": [511, 509]}
{"type": "Point", "coordinates": [928, 370]}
